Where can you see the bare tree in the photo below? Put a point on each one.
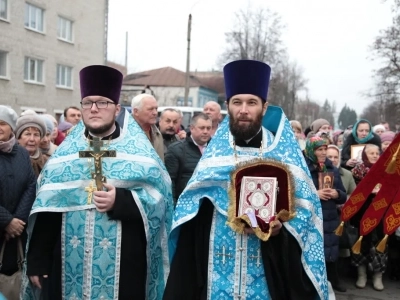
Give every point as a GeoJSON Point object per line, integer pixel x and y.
{"type": "Point", "coordinates": [256, 34]}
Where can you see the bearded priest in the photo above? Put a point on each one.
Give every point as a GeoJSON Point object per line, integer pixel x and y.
{"type": "Point", "coordinates": [249, 223]}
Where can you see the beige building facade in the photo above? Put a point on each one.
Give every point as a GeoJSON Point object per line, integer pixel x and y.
{"type": "Point", "coordinates": [43, 46]}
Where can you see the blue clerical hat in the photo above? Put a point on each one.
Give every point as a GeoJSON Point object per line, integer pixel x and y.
{"type": "Point", "coordinates": [247, 77]}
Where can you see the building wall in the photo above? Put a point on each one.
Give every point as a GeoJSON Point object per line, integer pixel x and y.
{"type": "Point", "coordinates": [87, 48]}
{"type": "Point", "coordinates": [166, 96]}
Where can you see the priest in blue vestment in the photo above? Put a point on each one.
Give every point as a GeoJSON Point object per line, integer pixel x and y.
{"type": "Point", "coordinates": [98, 228]}
{"type": "Point", "coordinates": [218, 252]}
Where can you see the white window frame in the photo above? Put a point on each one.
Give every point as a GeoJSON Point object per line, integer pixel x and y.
{"type": "Point", "coordinates": [62, 76]}
{"type": "Point", "coordinates": [38, 63]}
{"type": "Point", "coordinates": [7, 10]}
{"type": "Point", "coordinates": [32, 11]}
{"type": "Point", "coordinates": [65, 29]}
{"type": "Point", "coordinates": [5, 76]}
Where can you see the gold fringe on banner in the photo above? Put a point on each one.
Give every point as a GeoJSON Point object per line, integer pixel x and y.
{"type": "Point", "coordinates": [391, 168]}
{"type": "Point", "coordinates": [356, 249]}
{"type": "Point", "coordinates": [382, 244]}
{"type": "Point", "coordinates": [339, 230]}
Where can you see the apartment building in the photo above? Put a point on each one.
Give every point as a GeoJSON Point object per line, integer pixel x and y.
{"type": "Point", "coordinates": [43, 46]}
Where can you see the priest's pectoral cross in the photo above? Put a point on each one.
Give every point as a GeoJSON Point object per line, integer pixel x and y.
{"type": "Point", "coordinates": [90, 189]}
{"type": "Point", "coordinates": [97, 154]}
{"type": "Point", "coordinates": [224, 255]}
{"type": "Point", "coordinates": [258, 257]}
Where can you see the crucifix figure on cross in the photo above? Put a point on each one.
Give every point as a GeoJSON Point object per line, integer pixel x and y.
{"type": "Point", "coordinates": [97, 154]}
{"type": "Point", "coordinates": [90, 189]}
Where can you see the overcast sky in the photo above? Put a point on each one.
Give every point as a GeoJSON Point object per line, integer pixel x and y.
{"type": "Point", "coordinates": [329, 39]}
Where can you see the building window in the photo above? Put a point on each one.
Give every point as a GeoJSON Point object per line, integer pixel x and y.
{"type": "Point", "coordinates": [33, 70]}
{"type": "Point", "coordinates": [4, 9]}
{"type": "Point", "coordinates": [3, 64]}
{"type": "Point", "coordinates": [64, 30]}
{"type": "Point", "coordinates": [64, 76]}
{"type": "Point", "coordinates": [34, 17]}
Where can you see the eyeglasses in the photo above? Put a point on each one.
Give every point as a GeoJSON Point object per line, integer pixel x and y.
{"type": "Point", "coordinates": [99, 104]}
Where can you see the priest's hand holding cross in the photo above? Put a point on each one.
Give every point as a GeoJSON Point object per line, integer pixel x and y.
{"type": "Point", "coordinates": [104, 200]}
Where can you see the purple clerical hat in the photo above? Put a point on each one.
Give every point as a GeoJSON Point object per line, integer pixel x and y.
{"type": "Point", "coordinates": [247, 77]}
{"type": "Point", "coordinates": [101, 81]}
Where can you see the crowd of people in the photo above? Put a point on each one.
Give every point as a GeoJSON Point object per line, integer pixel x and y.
{"type": "Point", "coordinates": [352, 152]}
{"type": "Point", "coordinates": [110, 204]}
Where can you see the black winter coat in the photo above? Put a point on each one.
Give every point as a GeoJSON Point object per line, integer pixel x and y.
{"type": "Point", "coordinates": [180, 160]}
{"type": "Point", "coordinates": [346, 151]}
{"type": "Point", "coordinates": [17, 194]}
{"type": "Point", "coordinates": [330, 214]}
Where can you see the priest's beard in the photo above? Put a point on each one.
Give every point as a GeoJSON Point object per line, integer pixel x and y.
{"type": "Point", "coordinates": [102, 129]}
{"type": "Point", "coordinates": [245, 132]}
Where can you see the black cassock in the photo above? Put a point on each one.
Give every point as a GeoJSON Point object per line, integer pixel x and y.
{"type": "Point", "coordinates": [44, 254]}
{"type": "Point", "coordinates": [281, 256]}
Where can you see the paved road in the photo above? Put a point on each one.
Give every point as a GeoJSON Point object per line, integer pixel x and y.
{"type": "Point", "coordinates": [391, 291]}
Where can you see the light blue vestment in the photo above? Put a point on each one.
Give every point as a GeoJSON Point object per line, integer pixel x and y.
{"type": "Point", "coordinates": [91, 242]}
{"type": "Point", "coordinates": [234, 267]}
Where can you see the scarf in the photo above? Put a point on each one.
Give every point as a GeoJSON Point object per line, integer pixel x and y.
{"type": "Point", "coordinates": [6, 147]}
{"type": "Point", "coordinates": [367, 138]}
{"type": "Point", "coordinates": [313, 144]}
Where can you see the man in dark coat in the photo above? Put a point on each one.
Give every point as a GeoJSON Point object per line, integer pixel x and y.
{"type": "Point", "coordinates": [182, 157]}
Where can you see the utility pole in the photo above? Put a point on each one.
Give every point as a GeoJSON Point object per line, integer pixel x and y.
{"type": "Point", "coordinates": [105, 30]}
{"type": "Point", "coordinates": [188, 61]}
{"type": "Point", "coordinates": [126, 52]}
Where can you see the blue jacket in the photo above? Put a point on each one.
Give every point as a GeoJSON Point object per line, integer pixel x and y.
{"type": "Point", "coordinates": [329, 211]}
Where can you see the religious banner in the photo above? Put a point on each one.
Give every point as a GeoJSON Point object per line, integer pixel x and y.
{"type": "Point", "coordinates": [386, 172]}
{"type": "Point", "coordinates": [391, 221]}
{"type": "Point", "coordinates": [383, 179]}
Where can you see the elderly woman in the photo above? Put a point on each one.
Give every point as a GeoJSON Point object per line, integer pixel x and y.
{"type": "Point", "coordinates": [315, 155]}
{"type": "Point", "coordinates": [298, 133]}
{"type": "Point", "coordinates": [17, 190]}
{"type": "Point", "coordinates": [46, 145]}
{"type": "Point", "coordinates": [378, 129]}
{"type": "Point", "coordinates": [360, 134]}
{"type": "Point", "coordinates": [319, 125]}
{"type": "Point", "coordinates": [30, 131]}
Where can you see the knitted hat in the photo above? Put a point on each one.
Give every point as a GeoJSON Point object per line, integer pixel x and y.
{"type": "Point", "coordinates": [49, 124]}
{"type": "Point", "coordinates": [64, 126]}
{"type": "Point", "coordinates": [27, 121]}
{"type": "Point", "coordinates": [317, 124]}
{"type": "Point", "coordinates": [387, 136]}
{"type": "Point", "coordinates": [9, 116]}
{"type": "Point", "coordinates": [379, 126]}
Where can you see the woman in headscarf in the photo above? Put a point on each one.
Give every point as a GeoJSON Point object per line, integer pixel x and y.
{"type": "Point", "coordinates": [17, 191]}
{"type": "Point", "coordinates": [368, 257]}
{"type": "Point", "coordinates": [30, 131]}
{"type": "Point", "coordinates": [317, 162]}
{"type": "Point", "coordinates": [361, 134]}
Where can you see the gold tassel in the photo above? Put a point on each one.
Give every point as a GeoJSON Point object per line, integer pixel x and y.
{"type": "Point", "coordinates": [357, 246]}
{"type": "Point", "coordinates": [391, 168]}
{"type": "Point", "coordinates": [382, 244]}
{"type": "Point", "coordinates": [339, 230]}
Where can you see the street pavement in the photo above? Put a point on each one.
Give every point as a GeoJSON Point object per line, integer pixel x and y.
{"type": "Point", "coordinates": [391, 291]}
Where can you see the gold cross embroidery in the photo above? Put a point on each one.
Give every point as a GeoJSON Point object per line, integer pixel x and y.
{"type": "Point", "coordinates": [90, 189]}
